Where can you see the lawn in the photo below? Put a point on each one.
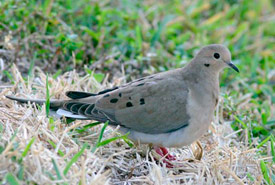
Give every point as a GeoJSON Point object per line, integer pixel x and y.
{"type": "Point", "coordinates": [48, 47]}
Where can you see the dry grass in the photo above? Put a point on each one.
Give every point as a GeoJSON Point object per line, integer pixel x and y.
{"type": "Point", "coordinates": [225, 159]}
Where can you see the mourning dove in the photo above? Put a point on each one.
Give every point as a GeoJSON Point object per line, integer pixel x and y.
{"type": "Point", "coordinates": [167, 109]}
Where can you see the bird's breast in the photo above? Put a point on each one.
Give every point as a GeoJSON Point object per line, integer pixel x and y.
{"type": "Point", "coordinates": [201, 112]}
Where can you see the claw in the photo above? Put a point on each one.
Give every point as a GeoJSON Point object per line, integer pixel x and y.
{"type": "Point", "coordinates": [164, 153]}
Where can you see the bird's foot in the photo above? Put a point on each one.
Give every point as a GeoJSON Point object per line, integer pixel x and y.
{"type": "Point", "coordinates": [164, 154]}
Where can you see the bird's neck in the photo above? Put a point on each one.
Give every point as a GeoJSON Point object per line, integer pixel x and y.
{"type": "Point", "coordinates": [201, 81]}
{"type": "Point", "coordinates": [196, 74]}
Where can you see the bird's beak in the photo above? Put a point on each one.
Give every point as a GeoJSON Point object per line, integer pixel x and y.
{"type": "Point", "coordinates": [233, 66]}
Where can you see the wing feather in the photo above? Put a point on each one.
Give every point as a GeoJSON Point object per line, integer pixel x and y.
{"type": "Point", "coordinates": [155, 104]}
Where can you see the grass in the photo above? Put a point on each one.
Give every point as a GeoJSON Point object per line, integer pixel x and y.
{"type": "Point", "coordinates": [117, 41]}
{"type": "Point", "coordinates": [11, 179]}
{"type": "Point", "coordinates": [58, 154]}
{"type": "Point", "coordinates": [74, 159]}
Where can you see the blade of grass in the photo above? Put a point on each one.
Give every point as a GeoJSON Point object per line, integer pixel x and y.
{"type": "Point", "coordinates": [20, 174]}
{"type": "Point", "coordinates": [250, 177]}
{"type": "Point", "coordinates": [86, 127]}
{"type": "Point", "coordinates": [74, 159]}
{"type": "Point", "coordinates": [102, 131]}
{"type": "Point", "coordinates": [7, 74]}
{"type": "Point", "coordinates": [88, 71]}
{"type": "Point", "coordinates": [272, 148]}
{"type": "Point", "coordinates": [11, 179]}
{"type": "Point", "coordinates": [100, 136]}
{"type": "Point", "coordinates": [128, 141]}
{"type": "Point", "coordinates": [240, 121]}
{"type": "Point", "coordinates": [51, 123]}
{"type": "Point", "coordinates": [28, 147]}
{"type": "Point", "coordinates": [263, 142]}
{"type": "Point", "coordinates": [47, 97]}
{"type": "Point", "coordinates": [265, 171]}
{"type": "Point", "coordinates": [59, 177]}
{"type": "Point", "coordinates": [54, 146]}
{"type": "Point", "coordinates": [107, 141]}
{"type": "Point", "coordinates": [58, 72]}
{"type": "Point", "coordinates": [138, 38]}
{"type": "Point", "coordinates": [99, 77]}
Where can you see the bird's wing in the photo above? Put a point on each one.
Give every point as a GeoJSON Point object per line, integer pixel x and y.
{"type": "Point", "coordinates": [155, 104]}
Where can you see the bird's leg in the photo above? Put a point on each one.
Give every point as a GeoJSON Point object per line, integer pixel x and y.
{"type": "Point", "coordinates": [163, 152]}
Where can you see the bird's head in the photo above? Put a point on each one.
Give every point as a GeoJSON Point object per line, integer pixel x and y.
{"type": "Point", "coordinates": [214, 58]}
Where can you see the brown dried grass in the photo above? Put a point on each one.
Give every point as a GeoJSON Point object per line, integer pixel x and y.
{"type": "Point", "coordinates": [225, 159]}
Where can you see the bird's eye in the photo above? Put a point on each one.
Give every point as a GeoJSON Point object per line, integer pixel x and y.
{"type": "Point", "coordinates": [216, 55]}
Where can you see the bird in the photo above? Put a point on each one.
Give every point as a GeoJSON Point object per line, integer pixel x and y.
{"type": "Point", "coordinates": [167, 109]}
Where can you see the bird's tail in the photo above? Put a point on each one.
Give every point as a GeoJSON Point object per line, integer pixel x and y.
{"type": "Point", "coordinates": [54, 104]}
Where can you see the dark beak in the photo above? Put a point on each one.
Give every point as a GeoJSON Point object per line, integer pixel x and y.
{"type": "Point", "coordinates": [233, 66]}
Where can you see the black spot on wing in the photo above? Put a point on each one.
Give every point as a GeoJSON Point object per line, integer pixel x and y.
{"type": "Point", "coordinates": [119, 94]}
{"type": "Point", "coordinates": [129, 104]}
{"type": "Point", "coordinates": [142, 101]}
{"type": "Point", "coordinates": [114, 100]}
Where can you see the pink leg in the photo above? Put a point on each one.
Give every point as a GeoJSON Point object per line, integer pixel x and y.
{"type": "Point", "coordinates": [163, 152]}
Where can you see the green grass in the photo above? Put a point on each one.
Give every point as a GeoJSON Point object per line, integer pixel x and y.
{"type": "Point", "coordinates": [47, 103]}
{"type": "Point", "coordinates": [28, 147]}
{"type": "Point", "coordinates": [63, 35]}
{"type": "Point", "coordinates": [74, 159]}
{"type": "Point", "coordinates": [100, 136]}
{"type": "Point", "coordinates": [11, 179]}
{"type": "Point", "coordinates": [58, 174]}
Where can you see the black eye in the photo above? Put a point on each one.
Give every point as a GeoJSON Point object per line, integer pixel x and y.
{"type": "Point", "coordinates": [216, 55]}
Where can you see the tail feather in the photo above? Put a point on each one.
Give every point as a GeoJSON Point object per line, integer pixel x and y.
{"type": "Point", "coordinates": [69, 114]}
{"type": "Point", "coordinates": [54, 104]}
{"type": "Point", "coordinates": [68, 108]}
